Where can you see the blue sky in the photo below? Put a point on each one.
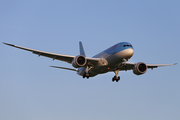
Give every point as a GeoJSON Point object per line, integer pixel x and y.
{"type": "Point", "coordinates": [31, 90]}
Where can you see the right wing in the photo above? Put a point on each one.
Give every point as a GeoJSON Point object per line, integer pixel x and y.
{"type": "Point", "coordinates": [66, 58]}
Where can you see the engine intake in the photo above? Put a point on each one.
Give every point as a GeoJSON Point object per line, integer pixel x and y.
{"type": "Point", "coordinates": [79, 61]}
{"type": "Point", "coordinates": [140, 68]}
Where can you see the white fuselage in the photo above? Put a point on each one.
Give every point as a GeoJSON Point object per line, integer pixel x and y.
{"type": "Point", "coordinates": [110, 59]}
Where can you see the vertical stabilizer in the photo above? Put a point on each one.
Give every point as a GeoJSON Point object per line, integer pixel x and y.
{"type": "Point", "coordinates": [81, 49]}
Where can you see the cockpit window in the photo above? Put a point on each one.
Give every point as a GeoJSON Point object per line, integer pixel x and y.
{"type": "Point", "coordinates": [127, 45]}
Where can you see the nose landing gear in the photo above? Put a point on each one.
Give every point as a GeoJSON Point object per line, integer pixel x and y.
{"type": "Point", "coordinates": [116, 78]}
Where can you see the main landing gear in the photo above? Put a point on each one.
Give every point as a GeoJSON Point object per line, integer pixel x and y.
{"type": "Point", "coordinates": [86, 74]}
{"type": "Point", "coordinates": [116, 78]}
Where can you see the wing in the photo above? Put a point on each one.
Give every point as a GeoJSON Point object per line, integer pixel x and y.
{"type": "Point", "coordinates": [130, 65]}
{"type": "Point", "coordinates": [66, 58]}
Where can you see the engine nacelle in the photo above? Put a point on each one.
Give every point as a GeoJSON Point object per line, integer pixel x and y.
{"type": "Point", "coordinates": [79, 61]}
{"type": "Point", "coordinates": [140, 68]}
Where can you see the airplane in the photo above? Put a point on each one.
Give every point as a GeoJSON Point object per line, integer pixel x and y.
{"type": "Point", "coordinates": [113, 59]}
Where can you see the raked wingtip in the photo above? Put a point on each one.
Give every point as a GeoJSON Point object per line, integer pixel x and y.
{"type": "Point", "coordinates": [7, 44]}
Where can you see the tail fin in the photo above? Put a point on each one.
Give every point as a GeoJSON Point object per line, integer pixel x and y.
{"type": "Point", "coordinates": [81, 49]}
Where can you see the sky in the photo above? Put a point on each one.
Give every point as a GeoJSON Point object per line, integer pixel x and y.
{"type": "Point", "coordinates": [31, 90]}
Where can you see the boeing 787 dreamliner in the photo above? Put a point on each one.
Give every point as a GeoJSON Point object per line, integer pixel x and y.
{"type": "Point", "coordinates": [113, 59]}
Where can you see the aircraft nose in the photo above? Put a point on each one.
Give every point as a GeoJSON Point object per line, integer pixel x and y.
{"type": "Point", "coordinates": [129, 53]}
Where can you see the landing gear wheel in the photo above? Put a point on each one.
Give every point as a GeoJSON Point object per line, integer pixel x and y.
{"type": "Point", "coordinates": [86, 75]}
{"type": "Point", "coordinates": [115, 78]}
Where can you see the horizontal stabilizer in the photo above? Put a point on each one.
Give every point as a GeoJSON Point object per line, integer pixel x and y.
{"type": "Point", "coordinates": [65, 68]}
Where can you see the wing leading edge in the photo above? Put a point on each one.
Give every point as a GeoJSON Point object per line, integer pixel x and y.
{"type": "Point", "coordinates": [65, 58]}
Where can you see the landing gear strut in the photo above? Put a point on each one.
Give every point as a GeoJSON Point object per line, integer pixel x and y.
{"type": "Point", "coordinates": [86, 74]}
{"type": "Point", "coordinates": [116, 78]}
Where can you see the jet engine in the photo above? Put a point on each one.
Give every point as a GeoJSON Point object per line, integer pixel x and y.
{"type": "Point", "coordinates": [140, 68]}
{"type": "Point", "coordinates": [79, 61]}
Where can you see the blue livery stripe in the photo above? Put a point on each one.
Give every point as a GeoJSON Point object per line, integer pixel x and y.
{"type": "Point", "coordinates": [118, 47]}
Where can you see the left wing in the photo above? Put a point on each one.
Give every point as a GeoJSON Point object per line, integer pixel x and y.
{"type": "Point", "coordinates": [158, 65]}
{"type": "Point", "coordinates": [130, 65]}
{"type": "Point", "coordinates": [66, 58]}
